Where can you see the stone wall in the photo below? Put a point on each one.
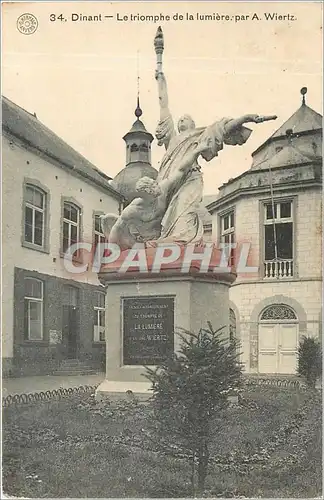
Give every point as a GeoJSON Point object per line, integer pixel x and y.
{"type": "Point", "coordinates": [250, 299]}
{"type": "Point", "coordinates": [303, 291]}
{"type": "Point", "coordinates": [41, 357]}
{"type": "Point", "coordinates": [21, 164]}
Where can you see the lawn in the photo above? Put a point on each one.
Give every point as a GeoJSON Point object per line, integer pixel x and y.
{"type": "Point", "coordinates": [267, 446]}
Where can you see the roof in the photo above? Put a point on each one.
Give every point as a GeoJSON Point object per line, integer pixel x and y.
{"type": "Point", "coordinates": [26, 127]}
{"type": "Point", "coordinates": [305, 119]}
{"type": "Point", "coordinates": [208, 199]}
{"type": "Point", "coordinates": [125, 181]}
{"type": "Point", "coordinates": [290, 155]}
{"type": "Point", "coordinates": [138, 126]}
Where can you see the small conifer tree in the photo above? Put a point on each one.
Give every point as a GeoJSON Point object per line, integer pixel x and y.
{"type": "Point", "coordinates": [190, 390]}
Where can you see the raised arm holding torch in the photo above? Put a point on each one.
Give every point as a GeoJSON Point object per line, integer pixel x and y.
{"type": "Point", "coordinates": [159, 47]}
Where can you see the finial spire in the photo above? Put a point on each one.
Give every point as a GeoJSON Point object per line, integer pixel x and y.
{"type": "Point", "coordinates": [303, 91]}
{"type": "Point", "coordinates": [138, 111]}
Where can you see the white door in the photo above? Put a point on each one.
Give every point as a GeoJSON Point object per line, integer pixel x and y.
{"type": "Point", "coordinates": [287, 348]}
{"type": "Point", "coordinates": [278, 347]}
{"type": "Point", "coordinates": [268, 348]}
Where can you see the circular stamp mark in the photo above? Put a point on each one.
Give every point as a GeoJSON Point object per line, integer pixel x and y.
{"type": "Point", "coordinates": [27, 24]}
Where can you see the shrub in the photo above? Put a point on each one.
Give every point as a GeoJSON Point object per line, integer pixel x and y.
{"type": "Point", "coordinates": [189, 390]}
{"type": "Point", "coordinates": [310, 360]}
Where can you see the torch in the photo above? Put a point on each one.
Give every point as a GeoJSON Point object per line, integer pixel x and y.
{"type": "Point", "coordinates": [159, 47]}
{"type": "Point", "coordinates": [262, 119]}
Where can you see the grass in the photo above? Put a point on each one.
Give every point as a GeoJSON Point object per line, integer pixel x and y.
{"type": "Point", "coordinates": [268, 446]}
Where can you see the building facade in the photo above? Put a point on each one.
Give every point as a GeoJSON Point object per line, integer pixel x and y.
{"type": "Point", "coordinates": [276, 207]}
{"type": "Point", "coordinates": [52, 198]}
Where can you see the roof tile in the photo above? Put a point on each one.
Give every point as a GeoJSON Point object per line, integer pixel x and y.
{"type": "Point", "coordinates": [26, 127]}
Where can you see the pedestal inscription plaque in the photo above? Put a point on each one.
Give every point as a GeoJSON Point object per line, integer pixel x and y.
{"type": "Point", "coordinates": [148, 329]}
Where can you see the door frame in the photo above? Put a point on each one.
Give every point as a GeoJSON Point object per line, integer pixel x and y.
{"type": "Point", "coordinates": [68, 305]}
{"type": "Point", "coordinates": [277, 324]}
{"type": "Point", "coordinates": [256, 314]}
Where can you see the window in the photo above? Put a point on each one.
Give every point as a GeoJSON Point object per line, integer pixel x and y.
{"type": "Point", "coordinates": [34, 215]}
{"type": "Point", "coordinates": [278, 239]}
{"type": "Point", "coordinates": [143, 147]}
{"type": "Point", "coordinates": [33, 309]}
{"type": "Point", "coordinates": [232, 326]}
{"type": "Point", "coordinates": [134, 147]}
{"type": "Point", "coordinates": [208, 232]}
{"type": "Point", "coordinates": [99, 318]}
{"type": "Point", "coordinates": [71, 225]}
{"type": "Point", "coordinates": [99, 237]}
{"type": "Point", "coordinates": [70, 296]}
{"type": "Point", "coordinates": [228, 232]}
{"type": "Point", "coordinates": [278, 312]}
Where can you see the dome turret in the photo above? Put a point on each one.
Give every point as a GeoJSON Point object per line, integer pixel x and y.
{"type": "Point", "coordinates": [138, 158]}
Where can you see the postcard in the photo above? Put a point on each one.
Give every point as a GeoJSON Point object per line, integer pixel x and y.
{"type": "Point", "coordinates": [162, 249]}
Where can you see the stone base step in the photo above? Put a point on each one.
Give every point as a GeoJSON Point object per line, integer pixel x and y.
{"type": "Point", "coordinates": [74, 366]}
{"type": "Point", "coordinates": [72, 362]}
{"type": "Point", "coordinates": [69, 367]}
{"type": "Point", "coordinates": [121, 390]}
{"type": "Point", "coordinates": [74, 372]}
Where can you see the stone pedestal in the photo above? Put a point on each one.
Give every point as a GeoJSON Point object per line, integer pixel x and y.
{"type": "Point", "coordinates": [144, 310]}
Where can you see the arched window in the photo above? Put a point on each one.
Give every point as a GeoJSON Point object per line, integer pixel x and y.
{"type": "Point", "coordinates": [71, 225]}
{"type": "Point", "coordinates": [227, 234]}
{"type": "Point", "coordinates": [71, 296]}
{"type": "Point", "coordinates": [134, 147]}
{"type": "Point", "coordinates": [232, 325]}
{"type": "Point", "coordinates": [278, 312]}
{"type": "Point", "coordinates": [34, 215]}
{"type": "Point", "coordinates": [143, 147]}
{"type": "Point", "coordinates": [99, 318]}
{"type": "Point", "coordinates": [278, 239]}
{"type": "Point", "coordinates": [99, 236]}
{"type": "Point", "coordinates": [33, 303]}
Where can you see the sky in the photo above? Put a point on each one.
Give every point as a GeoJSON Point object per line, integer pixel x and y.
{"type": "Point", "coordinates": [80, 77]}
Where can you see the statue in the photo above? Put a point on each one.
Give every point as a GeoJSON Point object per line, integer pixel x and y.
{"type": "Point", "coordinates": [166, 210]}
{"type": "Point", "coordinates": [179, 223]}
{"type": "Point", "coordinates": [141, 220]}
